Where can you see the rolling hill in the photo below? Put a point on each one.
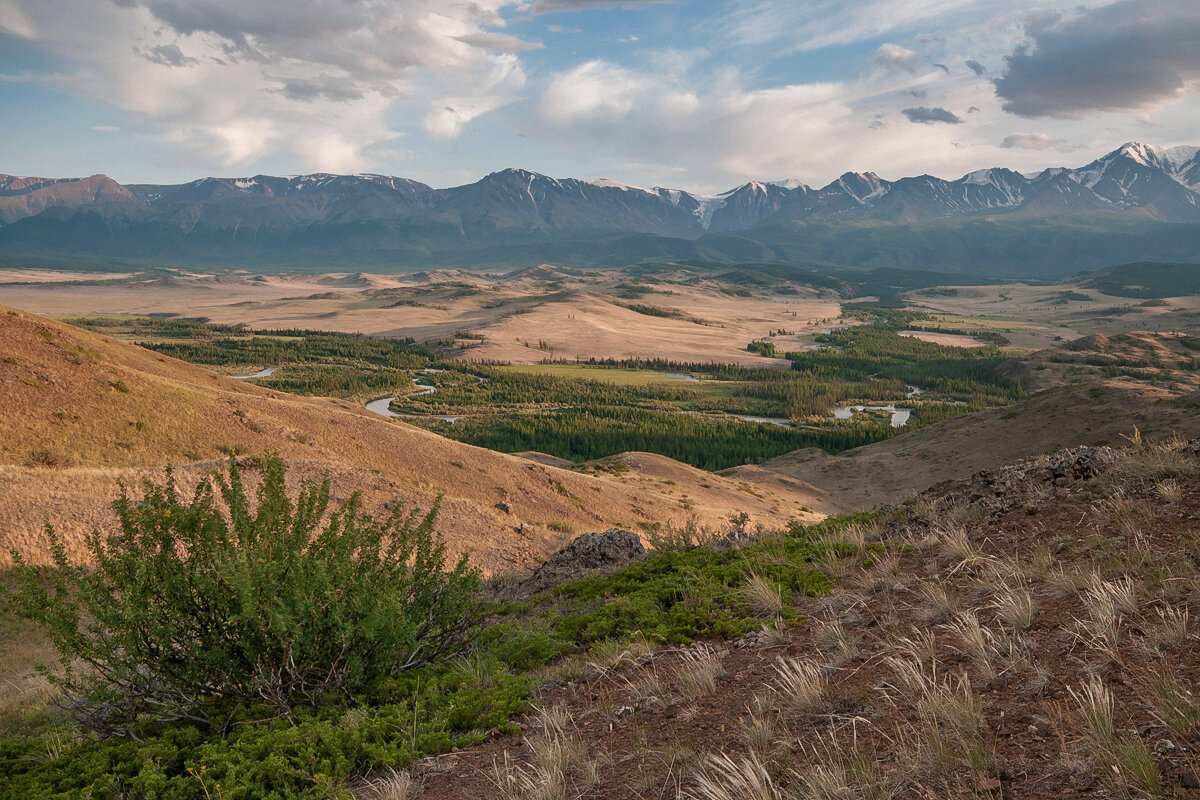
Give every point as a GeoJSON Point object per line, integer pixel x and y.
{"type": "Point", "coordinates": [84, 411]}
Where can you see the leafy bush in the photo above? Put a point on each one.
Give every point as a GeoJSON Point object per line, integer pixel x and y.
{"type": "Point", "coordinates": [197, 611]}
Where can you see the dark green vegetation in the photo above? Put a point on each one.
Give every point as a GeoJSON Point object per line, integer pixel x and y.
{"type": "Point", "coordinates": [969, 375]}
{"type": "Point", "coordinates": [581, 419]}
{"type": "Point", "coordinates": [707, 442]}
{"type": "Point", "coordinates": [311, 362]}
{"type": "Point", "coordinates": [992, 247]}
{"type": "Point", "coordinates": [189, 617]}
{"type": "Point", "coordinates": [1148, 280]}
{"type": "Point", "coordinates": [397, 709]}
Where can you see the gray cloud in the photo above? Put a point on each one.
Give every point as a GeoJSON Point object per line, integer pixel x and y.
{"type": "Point", "coordinates": [928, 116]}
{"type": "Point", "coordinates": [1035, 141]}
{"type": "Point", "coordinates": [498, 42]}
{"type": "Point", "coordinates": [322, 88]}
{"type": "Point", "coordinates": [1128, 55]}
{"type": "Point", "coordinates": [943, 68]}
{"type": "Point", "coordinates": [975, 67]}
{"type": "Point", "coordinates": [169, 55]}
{"type": "Point", "coordinates": [371, 41]}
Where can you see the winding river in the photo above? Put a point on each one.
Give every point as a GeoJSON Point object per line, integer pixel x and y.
{"type": "Point", "coordinates": [262, 373]}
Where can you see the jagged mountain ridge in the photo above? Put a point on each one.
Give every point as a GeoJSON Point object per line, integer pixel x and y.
{"type": "Point", "coordinates": [1133, 176]}
{"type": "Point", "coordinates": [515, 215]}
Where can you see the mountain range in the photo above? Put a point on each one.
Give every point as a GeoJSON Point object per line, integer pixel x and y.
{"type": "Point", "coordinates": [1137, 202]}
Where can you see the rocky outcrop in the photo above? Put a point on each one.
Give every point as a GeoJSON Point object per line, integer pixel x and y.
{"type": "Point", "coordinates": [587, 554]}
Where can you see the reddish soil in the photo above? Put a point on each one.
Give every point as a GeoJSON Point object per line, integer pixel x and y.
{"type": "Point", "coordinates": [1040, 525]}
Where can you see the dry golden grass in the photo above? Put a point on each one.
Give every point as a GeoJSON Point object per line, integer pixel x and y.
{"type": "Point", "coordinates": [82, 411]}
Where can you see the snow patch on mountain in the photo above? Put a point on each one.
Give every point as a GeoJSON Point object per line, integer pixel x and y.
{"type": "Point", "coordinates": [604, 183]}
{"type": "Point", "coordinates": [709, 204]}
{"type": "Point", "coordinates": [791, 184]}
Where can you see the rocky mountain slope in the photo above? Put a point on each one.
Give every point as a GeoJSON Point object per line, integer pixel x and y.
{"type": "Point", "coordinates": [515, 216]}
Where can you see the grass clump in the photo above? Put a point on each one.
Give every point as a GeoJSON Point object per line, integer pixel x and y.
{"type": "Point", "coordinates": [1122, 761]}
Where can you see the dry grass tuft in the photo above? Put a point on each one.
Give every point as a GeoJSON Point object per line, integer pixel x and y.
{"type": "Point", "coordinates": [940, 602]}
{"type": "Point", "coordinates": [957, 543]}
{"type": "Point", "coordinates": [698, 671]}
{"type": "Point", "coordinates": [838, 773]}
{"type": "Point", "coordinates": [1122, 761]}
{"type": "Point", "coordinates": [1108, 605]}
{"type": "Point", "coordinates": [1015, 607]}
{"type": "Point", "coordinates": [722, 778]}
{"type": "Point", "coordinates": [801, 687]}
{"type": "Point", "coordinates": [1170, 490]}
{"type": "Point", "coordinates": [920, 646]}
{"type": "Point", "coordinates": [949, 743]}
{"type": "Point", "coordinates": [560, 766]}
{"type": "Point", "coordinates": [763, 596]}
{"type": "Point", "coordinates": [613, 655]}
{"type": "Point", "coordinates": [991, 654]}
{"type": "Point", "coordinates": [836, 643]}
{"type": "Point", "coordinates": [1173, 703]}
{"type": "Point", "coordinates": [394, 785]}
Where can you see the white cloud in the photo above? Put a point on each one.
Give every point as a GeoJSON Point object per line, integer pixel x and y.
{"type": "Point", "coordinates": [316, 83]}
{"type": "Point", "coordinates": [727, 133]}
{"type": "Point", "coordinates": [893, 56]}
{"type": "Point", "coordinates": [820, 23]}
{"type": "Point", "coordinates": [16, 22]}
{"type": "Point", "coordinates": [595, 90]}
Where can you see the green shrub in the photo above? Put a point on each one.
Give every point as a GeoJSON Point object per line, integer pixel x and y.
{"type": "Point", "coordinates": [198, 611]}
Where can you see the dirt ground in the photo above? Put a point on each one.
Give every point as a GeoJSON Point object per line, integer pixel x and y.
{"type": "Point", "coordinates": [964, 663]}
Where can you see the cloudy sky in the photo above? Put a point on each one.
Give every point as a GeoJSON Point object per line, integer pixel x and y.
{"type": "Point", "coordinates": [697, 94]}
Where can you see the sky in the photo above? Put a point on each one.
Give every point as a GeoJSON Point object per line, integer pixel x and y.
{"type": "Point", "coordinates": [695, 94]}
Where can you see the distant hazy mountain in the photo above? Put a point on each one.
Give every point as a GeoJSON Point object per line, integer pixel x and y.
{"type": "Point", "coordinates": [515, 216]}
{"type": "Point", "coordinates": [24, 197]}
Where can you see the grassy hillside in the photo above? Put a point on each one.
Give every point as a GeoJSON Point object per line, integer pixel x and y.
{"type": "Point", "coordinates": [83, 410]}
{"type": "Point", "coordinates": [1022, 633]}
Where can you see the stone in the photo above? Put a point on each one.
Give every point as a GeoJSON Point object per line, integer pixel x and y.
{"type": "Point", "coordinates": [587, 554]}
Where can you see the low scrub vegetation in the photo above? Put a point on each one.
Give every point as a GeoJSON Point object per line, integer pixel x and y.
{"type": "Point", "coordinates": [244, 644]}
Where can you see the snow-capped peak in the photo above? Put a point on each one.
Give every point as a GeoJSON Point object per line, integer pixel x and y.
{"type": "Point", "coordinates": [1144, 154]}
{"type": "Point", "coordinates": [980, 176]}
{"type": "Point", "coordinates": [788, 183]}
{"type": "Point", "coordinates": [605, 183]}
{"type": "Point", "coordinates": [1179, 156]}
{"type": "Point", "coordinates": [708, 204]}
